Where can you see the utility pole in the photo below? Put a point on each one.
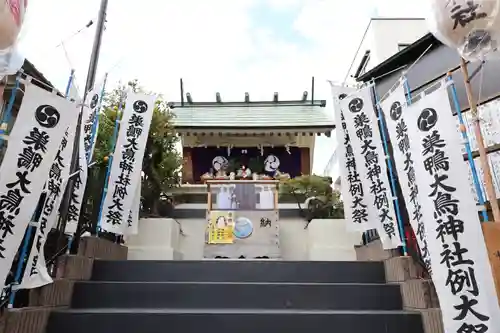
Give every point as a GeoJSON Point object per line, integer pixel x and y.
{"type": "Point", "coordinates": [94, 60]}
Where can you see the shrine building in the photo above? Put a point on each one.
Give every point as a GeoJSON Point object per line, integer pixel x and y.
{"type": "Point", "coordinates": [249, 139]}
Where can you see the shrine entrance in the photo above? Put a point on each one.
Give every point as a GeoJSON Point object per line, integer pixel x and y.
{"type": "Point", "coordinates": [242, 220]}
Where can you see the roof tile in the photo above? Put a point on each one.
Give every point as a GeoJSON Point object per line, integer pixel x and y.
{"type": "Point", "coordinates": [253, 116]}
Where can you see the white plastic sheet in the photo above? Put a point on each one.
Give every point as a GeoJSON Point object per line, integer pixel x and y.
{"type": "Point", "coordinates": [470, 26]}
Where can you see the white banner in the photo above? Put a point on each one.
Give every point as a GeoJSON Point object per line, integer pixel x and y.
{"type": "Point", "coordinates": [76, 200]}
{"type": "Point", "coordinates": [394, 110]}
{"type": "Point", "coordinates": [127, 161]}
{"type": "Point", "coordinates": [33, 144]}
{"type": "Point", "coordinates": [461, 269]}
{"type": "Point", "coordinates": [36, 274]}
{"type": "Point", "coordinates": [369, 156]}
{"type": "Point", "coordinates": [355, 205]}
{"type": "Point", "coordinates": [90, 120]}
{"type": "Point", "coordinates": [131, 223]}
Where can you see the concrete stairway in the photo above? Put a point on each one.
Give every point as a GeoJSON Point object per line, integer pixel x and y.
{"type": "Point", "coordinates": [235, 296]}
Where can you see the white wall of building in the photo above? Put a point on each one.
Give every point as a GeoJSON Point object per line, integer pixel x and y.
{"type": "Point", "coordinates": [388, 34]}
{"type": "Point", "coordinates": [383, 37]}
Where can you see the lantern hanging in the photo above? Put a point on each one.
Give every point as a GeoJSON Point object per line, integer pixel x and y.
{"type": "Point", "coordinates": [470, 26]}
{"type": "Point", "coordinates": [11, 19]}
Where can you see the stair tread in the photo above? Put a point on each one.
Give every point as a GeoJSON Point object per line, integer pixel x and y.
{"type": "Point", "coordinates": [249, 261]}
{"type": "Point", "coordinates": [319, 284]}
{"type": "Point", "coordinates": [232, 311]}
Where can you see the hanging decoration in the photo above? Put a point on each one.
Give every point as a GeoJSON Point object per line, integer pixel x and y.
{"type": "Point", "coordinates": [33, 144]}
{"type": "Point", "coordinates": [355, 203]}
{"type": "Point", "coordinates": [220, 163]}
{"type": "Point", "coordinates": [271, 163]}
{"type": "Point", "coordinates": [127, 161]}
{"type": "Point", "coordinates": [90, 119]}
{"type": "Point", "coordinates": [393, 107]}
{"type": "Point", "coordinates": [454, 236]}
{"type": "Point", "coordinates": [371, 169]}
{"type": "Point", "coordinates": [76, 199]}
{"type": "Point", "coordinates": [36, 274]}
{"type": "Point", "coordinates": [470, 26]}
{"type": "Point", "coordinates": [11, 19]}
{"type": "Point", "coordinates": [131, 223]}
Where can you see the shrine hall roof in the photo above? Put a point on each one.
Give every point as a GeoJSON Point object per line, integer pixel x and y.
{"type": "Point", "coordinates": [255, 115]}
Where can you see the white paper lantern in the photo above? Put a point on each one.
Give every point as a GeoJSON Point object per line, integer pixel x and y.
{"type": "Point", "coordinates": [11, 20]}
{"type": "Point", "coordinates": [470, 26]}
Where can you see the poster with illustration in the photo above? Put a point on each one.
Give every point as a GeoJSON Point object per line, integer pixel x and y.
{"type": "Point", "coordinates": [220, 227]}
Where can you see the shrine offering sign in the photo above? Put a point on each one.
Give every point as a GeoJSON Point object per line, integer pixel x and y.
{"type": "Point", "coordinates": [220, 227]}
{"type": "Point", "coordinates": [394, 110]}
{"type": "Point", "coordinates": [355, 207]}
{"type": "Point", "coordinates": [461, 270]}
{"type": "Point", "coordinates": [127, 162]}
{"type": "Point", "coordinates": [371, 168]}
{"type": "Point", "coordinates": [33, 144]}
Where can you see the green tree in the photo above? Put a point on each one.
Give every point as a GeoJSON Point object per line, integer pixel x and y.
{"type": "Point", "coordinates": [161, 163]}
{"type": "Point", "coordinates": [323, 201]}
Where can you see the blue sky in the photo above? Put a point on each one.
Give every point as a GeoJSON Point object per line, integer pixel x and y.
{"type": "Point", "coordinates": [279, 21]}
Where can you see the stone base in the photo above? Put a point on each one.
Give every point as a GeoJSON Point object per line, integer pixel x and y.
{"type": "Point", "coordinates": [25, 320]}
{"type": "Point", "coordinates": [331, 253]}
{"type": "Point", "coordinates": [419, 294]}
{"type": "Point", "coordinates": [400, 269]}
{"type": "Point", "coordinates": [323, 233]}
{"type": "Point", "coordinates": [74, 267]}
{"type": "Point", "coordinates": [158, 239]}
{"type": "Point", "coordinates": [374, 252]}
{"type": "Point", "coordinates": [432, 320]}
{"type": "Point", "coordinates": [58, 293]}
{"type": "Point", "coordinates": [98, 248]}
{"type": "Point", "coordinates": [153, 253]}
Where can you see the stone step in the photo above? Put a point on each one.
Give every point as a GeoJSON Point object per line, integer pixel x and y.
{"type": "Point", "coordinates": [239, 271]}
{"type": "Point", "coordinates": [151, 295]}
{"type": "Point", "coordinates": [230, 321]}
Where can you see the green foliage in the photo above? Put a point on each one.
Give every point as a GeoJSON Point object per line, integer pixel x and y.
{"type": "Point", "coordinates": [324, 201]}
{"type": "Point", "coordinates": [161, 164]}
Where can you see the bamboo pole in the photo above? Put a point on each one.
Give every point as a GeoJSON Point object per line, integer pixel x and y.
{"type": "Point", "coordinates": [488, 181]}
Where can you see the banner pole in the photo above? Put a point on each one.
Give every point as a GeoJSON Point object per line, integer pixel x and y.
{"type": "Point", "coordinates": [470, 158]}
{"type": "Point", "coordinates": [110, 161]}
{"type": "Point", "coordinates": [70, 82]}
{"type": "Point", "coordinates": [64, 210]}
{"type": "Point", "coordinates": [488, 181]}
{"type": "Point", "coordinates": [4, 126]}
{"type": "Point", "coordinates": [391, 172]}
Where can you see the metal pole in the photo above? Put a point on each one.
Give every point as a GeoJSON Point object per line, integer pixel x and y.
{"type": "Point", "coordinates": [488, 181]}
{"type": "Point", "coordinates": [94, 59]}
{"type": "Point", "coordinates": [465, 137]}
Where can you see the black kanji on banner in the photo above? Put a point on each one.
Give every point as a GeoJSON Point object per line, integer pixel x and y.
{"type": "Point", "coordinates": [461, 274]}
{"type": "Point", "coordinates": [403, 145]}
{"type": "Point", "coordinates": [54, 189]}
{"type": "Point", "coordinates": [359, 212]}
{"type": "Point", "coordinates": [127, 164]}
{"type": "Point", "coordinates": [364, 133]}
{"type": "Point", "coordinates": [34, 150]}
